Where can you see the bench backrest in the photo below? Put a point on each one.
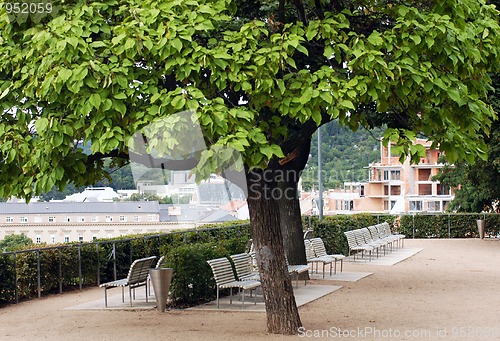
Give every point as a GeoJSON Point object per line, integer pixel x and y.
{"type": "Point", "coordinates": [319, 247]}
{"type": "Point", "coordinates": [242, 264]}
{"type": "Point", "coordinates": [309, 250]}
{"type": "Point", "coordinates": [139, 270]}
{"type": "Point", "coordinates": [351, 240]}
{"type": "Point", "coordinates": [222, 270]}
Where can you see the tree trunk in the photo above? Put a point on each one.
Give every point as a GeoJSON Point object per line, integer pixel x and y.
{"type": "Point", "coordinates": [297, 151]}
{"type": "Point", "coordinates": [281, 308]}
{"type": "Point", "coordinates": [291, 223]}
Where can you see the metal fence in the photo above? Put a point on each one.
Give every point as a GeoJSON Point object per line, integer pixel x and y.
{"type": "Point", "coordinates": [28, 273]}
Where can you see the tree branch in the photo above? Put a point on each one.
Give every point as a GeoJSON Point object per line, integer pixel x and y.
{"type": "Point", "coordinates": [301, 11]}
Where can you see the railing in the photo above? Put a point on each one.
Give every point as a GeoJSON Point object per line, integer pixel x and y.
{"type": "Point", "coordinates": [28, 273]}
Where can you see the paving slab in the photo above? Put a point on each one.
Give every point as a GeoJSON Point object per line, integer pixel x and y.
{"type": "Point", "coordinates": [390, 258]}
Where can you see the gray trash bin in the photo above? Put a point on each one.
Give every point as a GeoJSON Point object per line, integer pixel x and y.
{"type": "Point", "coordinates": [161, 278]}
{"type": "Point", "coordinates": [480, 227]}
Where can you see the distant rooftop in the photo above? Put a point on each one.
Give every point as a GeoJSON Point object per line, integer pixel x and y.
{"type": "Point", "coordinates": [80, 207]}
{"type": "Point", "coordinates": [93, 194]}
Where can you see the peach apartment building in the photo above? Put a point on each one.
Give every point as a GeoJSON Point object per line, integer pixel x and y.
{"type": "Point", "coordinates": [395, 187]}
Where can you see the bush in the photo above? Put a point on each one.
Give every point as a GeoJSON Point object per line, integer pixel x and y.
{"type": "Point", "coordinates": [448, 225]}
{"type": "Point", "coordinates": [66, 267]}
{"type": "Point", "coordinates": [192, 280]}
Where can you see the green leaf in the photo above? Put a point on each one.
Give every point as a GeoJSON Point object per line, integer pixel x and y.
{"type": "Point", "coordinates": [120, 95]}
{"type": "Point", "coordinates": [64, 75]}
{"type": "Point", "coordinates": [41, 124]}
{"type": "Point", "coordinates": [416, 39]}
{"type": "Point", "coordinates": [120, 107]}
{"type": "Point", "coordinates": [4, 93]}
{"type": "Point", "coordinates": [176, 43]}
{"type": "Point", "coordinates": [455, 95]}
{"type": "Point", "coordinates": [375, 39]}
{"type": "Point", "coordinates": [302, 49]}
{"type": "Point", "coordinates": [281, 85]}
{"type": "Point", "coordinates": [347, 104]}
{"type": "Point", "coordinates": [95, 100]}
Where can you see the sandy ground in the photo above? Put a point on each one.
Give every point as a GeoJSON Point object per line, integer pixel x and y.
{"type": "Point", "coordinates": [448, 291]}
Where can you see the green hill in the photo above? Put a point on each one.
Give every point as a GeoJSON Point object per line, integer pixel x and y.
{"type": "Point", "coordinates": [345, 154]}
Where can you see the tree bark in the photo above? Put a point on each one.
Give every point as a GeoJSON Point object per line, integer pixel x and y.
{"type": "Point", "coordinates": [289, 204]}
{"type": "Point", "coordinates": [291, 223]}
{"type": "Point", "coordinates": [281, 308]}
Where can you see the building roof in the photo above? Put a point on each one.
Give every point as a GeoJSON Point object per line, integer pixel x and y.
{"type": "Point", "coordinates": [80, 207]}
{"type": "Point", "coordinates": [93, 194]}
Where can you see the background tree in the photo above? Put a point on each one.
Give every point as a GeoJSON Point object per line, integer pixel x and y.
{"type": "Point", "coordinates": [15, 242]}
{"type": "Point", "coordinates": [259, 76]}
{"type": "Point", "coordinates": [476, 185]}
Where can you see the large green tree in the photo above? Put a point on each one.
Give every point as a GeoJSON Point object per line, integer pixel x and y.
{"type": "Point", "coordinates": [477, 185]}
{"type": "Point", "coordinates": [260, 77]}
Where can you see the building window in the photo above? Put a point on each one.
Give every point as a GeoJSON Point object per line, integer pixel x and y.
{"type": "Point", "coordinates": [38, 239]}
{"type": "Point", "coordinates": [94, 237]}
{"type": "Point", "coordinates": [9, 219]}
{"type": "Point", "coordinates": [392, 175]}
{"type": "Point", "coordinates": [395, 175]}
{"type": "Point", "coordinates": [38, 219]}
{"type": "Point", "coordinates": [424, 174]}
{"type": "Point", "coordinates": [52, 239]}
{"type": "Point", "coordinates": [415, 205]}
{"type": "Point", "coordinates": [52, 219]}
{"type": "Point", "coordinates": [425, 189]}
{"type": "Point", "coordinates": [95, 219]}
{"type": "Point", "coordinates": [386, 175]}
{"type": "Point", "coordinates": [81, 219]}
{"type": "Point", "coordinates": [386, 205]}
{"type": "Point", "coordinates": [362, 191]}
{"type": "Point", "coordinates": [67, 219]}
{"type": "Point", "coordinates": [66, 239]}
{"type": "Point", "coordinates": [80, 237]}
{"type": "Point", "coordinates": [123, 218]}
{"type": "Point", "coordinates": [137, 218]}
{"type": "Point", "coordinates": [151, 217]}
{"type": "Point", "coordinates": [109, 219]}
{"type": "Point", "coordinates": [348, 205]}
{"type": "Point", "coordinates": [434, 206]}
{"type": "Point", "coordinates": [24, 219]}
{"type": "Point", "coordinates": [443, 190]}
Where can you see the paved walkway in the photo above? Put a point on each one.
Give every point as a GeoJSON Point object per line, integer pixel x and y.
{"type": "Point", "coordinates": [438, 289]}
{"type": "Point", "coordinates": [303, 294]}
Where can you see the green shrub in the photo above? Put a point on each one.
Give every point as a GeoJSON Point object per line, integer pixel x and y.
{"type": "Point", "coordinates": [192, 280]}
{"type": "Point", "coordinates": [448, 225]}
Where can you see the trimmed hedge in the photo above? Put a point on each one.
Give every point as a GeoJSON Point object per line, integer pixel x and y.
{"type": "Point", "coordinates": [70, 266]}
{"type": "Point", "coordinates": [448, 225]}
{"type": "Point", "coordinates": [66, 267]}
{"type": "Point", "coordinates": [331, 229]}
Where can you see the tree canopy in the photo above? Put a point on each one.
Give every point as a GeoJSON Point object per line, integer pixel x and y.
{"type": "Point", "coordinates": [254, 72]}
{"type": "Point", "coordinates": [15, 242]}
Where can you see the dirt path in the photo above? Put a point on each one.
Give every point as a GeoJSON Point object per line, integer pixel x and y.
{"type": "Point", "coordinates": [448, 291]}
